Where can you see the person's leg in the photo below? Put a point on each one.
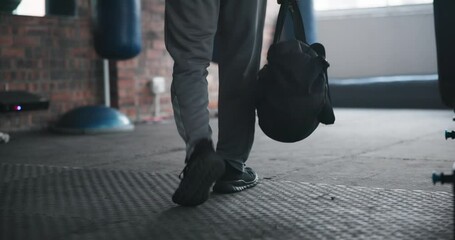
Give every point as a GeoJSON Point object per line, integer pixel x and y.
{"type": "Point", "coordinates": [240, 30]}
{"type": "Point", "coordinates": [240, 43]}
{"type": "Point", "coordinates": [190, 27]}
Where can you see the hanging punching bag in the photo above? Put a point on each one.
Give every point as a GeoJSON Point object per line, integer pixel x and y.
{"type": "Point", "coordinates": [444, 20]}
{"type": "Point", "coordinates": [117, 28]}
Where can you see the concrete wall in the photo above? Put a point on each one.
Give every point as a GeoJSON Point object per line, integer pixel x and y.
{"type": "Point", "coordinates": [379, 42]}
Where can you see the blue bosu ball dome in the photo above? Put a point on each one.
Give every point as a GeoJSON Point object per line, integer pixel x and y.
{"type": "Point", "coordinates": [92, 120]}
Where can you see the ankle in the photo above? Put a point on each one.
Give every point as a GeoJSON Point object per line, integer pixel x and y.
{"type": "Point", "coordinates": [201, 147]}
{"type": "Point", "coordinates": [231, 172]}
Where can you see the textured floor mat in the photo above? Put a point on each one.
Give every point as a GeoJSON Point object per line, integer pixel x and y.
{"type": "Point", "coordinates": [41, 202]}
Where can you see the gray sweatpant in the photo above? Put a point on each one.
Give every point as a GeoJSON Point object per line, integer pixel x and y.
{"type": "Point", "coordinates": [190, 28]}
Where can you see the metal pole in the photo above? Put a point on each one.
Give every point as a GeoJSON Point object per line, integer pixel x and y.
{"type": "Point", "coordinates": [107, 88]}
{"type": "Point", "coordinates": [307, 10]}
{"type": "Point", "coordinates": [157, 106]}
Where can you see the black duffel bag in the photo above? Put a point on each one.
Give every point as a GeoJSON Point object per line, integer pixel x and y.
{"type": "Point", "coordinates": [293, 92]}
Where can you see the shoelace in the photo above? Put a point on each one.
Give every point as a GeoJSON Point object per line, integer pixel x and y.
{"type": "Point", "coordinates": [185, 169]}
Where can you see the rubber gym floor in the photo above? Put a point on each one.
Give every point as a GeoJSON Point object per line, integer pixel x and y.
{"type": "Point", "coordinates": [366, 177]}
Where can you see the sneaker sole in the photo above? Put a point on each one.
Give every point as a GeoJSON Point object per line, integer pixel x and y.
{"type": "Point", "coordinates": [234, 186]}
{"type": "Point", "coordinates": [195, 187]}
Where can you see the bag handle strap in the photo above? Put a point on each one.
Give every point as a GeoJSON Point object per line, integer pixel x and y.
{"type": "Point", "coordinates": [299, 29]}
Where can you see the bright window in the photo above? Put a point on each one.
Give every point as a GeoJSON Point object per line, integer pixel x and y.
{"type": "Point", "coordinates": [321, 5]}
{"type": "Point", "coordinates": [31, 8]}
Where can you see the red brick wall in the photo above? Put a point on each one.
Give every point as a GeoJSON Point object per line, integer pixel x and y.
{"type": "Point", "coordinates": [52, 57]}
{"type": "Point", "coordinates": [134, 76]}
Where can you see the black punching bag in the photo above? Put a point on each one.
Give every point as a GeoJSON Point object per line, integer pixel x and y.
{"type": "Point", "coordinates": [444, 18]}
{"type": "Point", "coordinates": [117, 28]}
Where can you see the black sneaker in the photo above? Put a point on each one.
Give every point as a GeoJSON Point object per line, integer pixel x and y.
{"type": "Point", "coordinates": [202, 169]}
{"type": "Point", "coordinates": [235, 181]}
